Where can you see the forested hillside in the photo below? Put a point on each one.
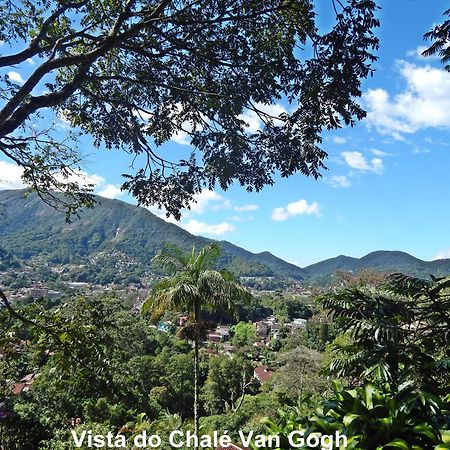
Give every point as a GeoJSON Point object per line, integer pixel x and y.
{"type": "Point", "coordinates": [112, 235]}
{"type": "Point", "coordinates": [116, 235]}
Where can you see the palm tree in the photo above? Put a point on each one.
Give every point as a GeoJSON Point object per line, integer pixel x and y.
{"type": "Point", "coordinates": [193, 287]}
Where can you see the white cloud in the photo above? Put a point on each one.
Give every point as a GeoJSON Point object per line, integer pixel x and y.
{"type": "Point", "coordinates": [339, 181]}
{"type": "Point", "coordinates": [377, 152]}
{"type": "Point", "coordinates": [111, 191]}
{"type": "Point", "coordinates": [421, 151]}
{"type": "Point", "coordinates": [161, 213]}
{"type": "Point", "coordinates": [181, 137]}
{"type": "Point", "coordinates": [253, 120]}
{"type": "Point", "coordinates": [62, 120]}
{"type": "Point", "coordinates": [208, 200]}
{"type": "Point", "coordinates": [424, 103]}
{"type": "Point", "coordinates": [31, 62]}
{"type": "Point", "coordinates": [83, 178]}
{"type": "Point", "coordinates": [295, 263]}
{"type": "Point", "coordinates": [444, 254]}
{"type": "Point", "coordinates": [205, 201]}
{"type": "Point", "coordinates": [10, 176]}
{"type": "Point", "coordinates": [237, 218]}
{"type": "Point", "coordinates": [250, 207]}
{"type": "Point", "coordinates": [201, 228]}
{"type": "Point", "coordinates": [302, 207]}
{"type": "Point", "coordinates": [417, 53]}
{"type": "Point", "coordinates": [339, 140]}
{"type": "Point", "coordinates": [356, 160]}
{"type": "Point", "coordinates": [15, 76]}
{"type": "Point", "coordinates": [169, 219]}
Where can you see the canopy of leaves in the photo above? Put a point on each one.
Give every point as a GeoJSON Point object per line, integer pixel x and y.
{"type": "Point", "coordinates": [135, 74]}
{"type": "Point", "coordinates": [398, 332]}
{"type": "Point", "coordinates": [372, 418]}
{"type": "Point", "coordinates": [440, 35]}
{"type": "Point", "coordinates": [193, 286]}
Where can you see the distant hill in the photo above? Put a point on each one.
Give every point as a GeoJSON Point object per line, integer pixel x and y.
{"type": "Point", "coordinates": [116, 241]}
{"type": "Point", "coordinates": [114, 237]}
{"type": "Point", "coordinates": [383, 261]}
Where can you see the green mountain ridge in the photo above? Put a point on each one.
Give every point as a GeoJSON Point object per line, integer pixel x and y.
{"type": "Point", "coordinates": [116, 238]}
{"type": "Point", "coordinates": [113, 234]}
{"type": "Point", "coordinates": [380, 260]}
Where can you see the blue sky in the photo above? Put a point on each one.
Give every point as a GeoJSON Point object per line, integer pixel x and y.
{"type": "Point", "coordinates": [386, 187]}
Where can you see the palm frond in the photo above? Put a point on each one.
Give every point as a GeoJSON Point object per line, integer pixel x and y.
{"type": "Point", "coordinates": [193, 285]}
{"type": "Point", "coordinates": [219, 293]}
{"type": "Point", "coordinates": [178, 297]}
{"type": "Point", "coordinates": [206, 257]}
{"type": "Point", "coordinates": [170, 259]}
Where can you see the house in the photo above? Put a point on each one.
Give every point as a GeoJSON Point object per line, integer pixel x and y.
{"type": "Point", "coordinates": [39, 292]}
{"type": "Point", "coordinates": [263, 374]}
{"type": "Point", "coordinates": [182, 321]}
{"type": "Point", "coordinates": [215, 337]}
{"type": "Point", "coordinates": [224, 331]}
{"type": "Point", "coordinates": [229, 349]}
{"type": "Point", "coordinates": [28, 379]}
{"type": "Point", "coordinates": [18, 388]}
{"type": "Point", "coordinates": [275, 329]}
{"type": "Point", "coordinates": [220, 334]}
{"type": "Point", "coordinates": [24, 385]}
{"type": "Point", "coordinates": [262, 329]}
{"type": "Point", "coordinates": [208, 351]}
{"type": "Point", "coordinates": [298, 323]}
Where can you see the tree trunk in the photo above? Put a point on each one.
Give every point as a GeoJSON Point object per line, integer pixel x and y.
{"type": "Point", "coordinates": [196, 376]}
{"type": "Point", "coordinates": [196, 371]}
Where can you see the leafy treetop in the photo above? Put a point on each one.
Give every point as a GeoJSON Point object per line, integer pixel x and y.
{"type": "Point", "coordinates": [133, 74]}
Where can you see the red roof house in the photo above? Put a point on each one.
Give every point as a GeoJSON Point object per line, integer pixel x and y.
{"type": "Point", "coordinates": [263, 374]}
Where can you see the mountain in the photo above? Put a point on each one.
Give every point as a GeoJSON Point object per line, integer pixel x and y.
{"type": "Point", "coordinates": [112, 240]}
{"type": "Point", "coordinates": [381, 260]}
{"type": "Point", "coordinates": [115, 242]}
{"type": "Point", "coordinates": [329, 266]}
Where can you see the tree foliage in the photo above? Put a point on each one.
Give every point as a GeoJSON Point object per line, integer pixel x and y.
{"type": "Point", "coordinates": [440, 37]}
{"type": "Point", "coordinates": [134, 74]}
{"type": "Point", "coordinates": [192, 287]}
{"type": "Point", "coordinates": [243, 334]}
{"type": "Point", "coordinates": [398, 332]}
{"type": "Point", "coordinates": [373, 418]}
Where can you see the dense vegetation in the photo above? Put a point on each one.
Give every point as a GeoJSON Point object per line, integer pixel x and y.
{"type": "Point", "coordinates": [104, 367]}
{"type": "Point", "coordinates": [370, 359]}
{"type": "Point", "coordinates": [393, 353]}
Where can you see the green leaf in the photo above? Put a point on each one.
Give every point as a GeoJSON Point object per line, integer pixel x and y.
{"type": "Point", "coordinates": [349, 418]}
{"type": "Point", "coordinates": [398, 443]}
{"type": "Point", "coordinates": [445, 435]}
{"type": "Point", "coordinates": [426, 430]}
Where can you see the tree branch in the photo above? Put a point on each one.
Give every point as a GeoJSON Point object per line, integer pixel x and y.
{"type": "Point", "coordinates": [34, 48]}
